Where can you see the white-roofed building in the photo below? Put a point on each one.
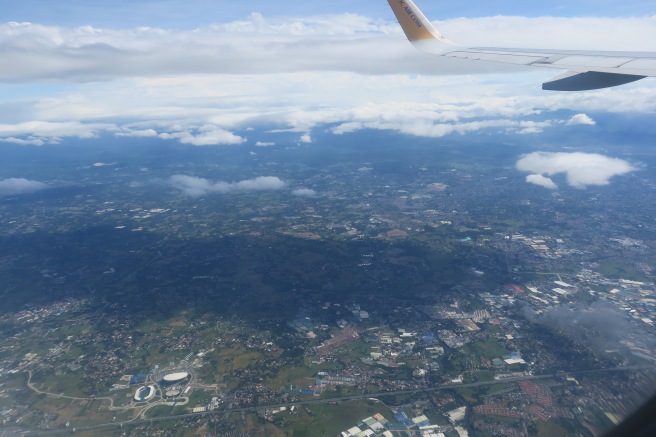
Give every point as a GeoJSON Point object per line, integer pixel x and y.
{"type": "Point", "coordinates": [175, 378]}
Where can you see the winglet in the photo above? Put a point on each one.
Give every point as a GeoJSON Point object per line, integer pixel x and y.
{"type": "Point", "coordinates": [414, 23]}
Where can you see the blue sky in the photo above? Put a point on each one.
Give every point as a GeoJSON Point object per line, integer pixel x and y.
{"type": "Point", "coordinates": [198, 13]}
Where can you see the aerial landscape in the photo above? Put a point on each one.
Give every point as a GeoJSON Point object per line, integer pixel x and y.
{"type": "Point", "coordinates": [343, 285]}
{"type": "Point", "coordinates": [199, 248]}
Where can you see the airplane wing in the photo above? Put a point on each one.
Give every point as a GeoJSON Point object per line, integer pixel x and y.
{"type": "Point", "coordinates": [586, 70]}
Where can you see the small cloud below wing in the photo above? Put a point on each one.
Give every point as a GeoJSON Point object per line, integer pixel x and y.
{"type": "Point", "coordinates": [581, 169]}
{"type": "Point", "coordinates": [304, 192]}
{"type": "Point", "coordinates": [18, 186]}
{"type": "Point", "coordinates": [542, 181]}
{"type": "Point", "coordinates": [196, 187]}
{"type": "Point", "coordinates": [581, 119]}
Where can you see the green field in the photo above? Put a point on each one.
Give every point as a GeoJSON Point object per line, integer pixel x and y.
{"type": "Point", "coordinates": [489, 349]}
{"type": "Point", "coordinates": [622, 270]}
{"type": "Point", "coordinates": [330, 420]}
{"type": "Point", "coordinates": [301, 377]}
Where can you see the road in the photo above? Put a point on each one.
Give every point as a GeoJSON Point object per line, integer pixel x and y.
{"type": "Point", "coordinates": [327, 401]}
{"type": "Point", "coordinates": [61, 396]}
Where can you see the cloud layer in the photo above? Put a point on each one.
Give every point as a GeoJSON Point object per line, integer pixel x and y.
{"type": "Point", "coordinates": [581, 169]}
{"type": "Point", "coordinates": [257, 44]}
{"type": "Point", "coordinates": [207, 136]}
{"type": "Point", "coordinates": [205, 87]}
{"type": "Point", "coordinates": [16, 186]}
{"type": "Point", "coordinates": [208, 110]}
{"type": "Point", "coordinates": [195, 187]}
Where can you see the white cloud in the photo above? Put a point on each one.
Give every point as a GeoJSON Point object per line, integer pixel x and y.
{"type": "Point", "coordinates": [41, 132]}
{"type": "Point", "coordinates": [304, 192]}
{"type": "Point", "coordinates": [34, 52]}
{"type": "Point", "coordinates": [196, 110]}
{"type": "Point", "coordinates": [191, 185]}
{"type": "Point", "coordinates": [542, 181]}
{"type": "Point", "coordinates": [15, 186]}
{"type": "Point", "coordinates": [581, 119]}
{"type": "Point", "coordinates": [561, 33]}
{"type": "Point", "coordinates": [195, 187]}
{"type": "Point", "coordinates": [144, 133]}
{"type": "Point", "coordinates": [209, 136]}
{"type": "Point", "coordinates": [258, 184]}
{"type": "Point", "coordinates": [264, 144]}
{"type": "Point", "coordinates": [581, 169]}
{"type": "Point", "coordinates": [30, 141]}
{"type": "Point", "coordinates": [201, 87]}
{"type": "Point", "coordinates": [344, 42]}
{"type": "Point", "coordinates": [531, 127]}
{"type": "Point", "coordinates": [429, 124]}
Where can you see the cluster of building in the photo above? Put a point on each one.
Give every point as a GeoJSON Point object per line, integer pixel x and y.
{"type": "Point", "coordinates": [378, 426]}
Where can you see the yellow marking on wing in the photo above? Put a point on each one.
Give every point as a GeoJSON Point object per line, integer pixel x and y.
{"type": "Point", "coordinates": [412, 20]}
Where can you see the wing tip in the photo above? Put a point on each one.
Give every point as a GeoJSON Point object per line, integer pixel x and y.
{"type": "Point", "coordinates": [414, 23]}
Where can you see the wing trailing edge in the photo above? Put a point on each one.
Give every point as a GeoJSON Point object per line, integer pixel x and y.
{"type": "Point", "coordinates": [588, 70]}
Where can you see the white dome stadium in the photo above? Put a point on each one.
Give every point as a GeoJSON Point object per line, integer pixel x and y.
{"type": "Point", "coordinates": [173, 378]}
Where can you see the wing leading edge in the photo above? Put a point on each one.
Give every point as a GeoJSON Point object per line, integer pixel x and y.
{"type": "Point", "coordinates": [587, 70]}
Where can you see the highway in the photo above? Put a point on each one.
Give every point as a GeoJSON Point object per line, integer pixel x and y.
{"type": "Point", "coordinates": [324, 401]}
